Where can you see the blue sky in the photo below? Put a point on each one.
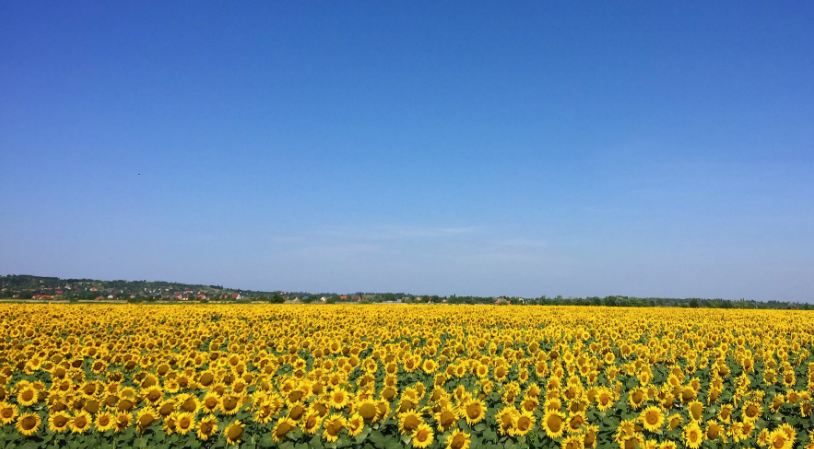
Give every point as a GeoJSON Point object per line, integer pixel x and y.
{"type": "Point", "coordinates": [485, 148]}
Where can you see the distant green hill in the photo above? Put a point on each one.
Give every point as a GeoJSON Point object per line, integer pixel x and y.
{"type": "Point", "coordinates": [18, 286]}
{"type": "Point", "coordinates": [27, 286]}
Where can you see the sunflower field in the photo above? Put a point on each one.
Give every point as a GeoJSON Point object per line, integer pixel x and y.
{"type": "Point", "coordinates": [397, 376]}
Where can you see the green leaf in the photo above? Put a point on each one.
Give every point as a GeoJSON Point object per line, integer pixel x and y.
{"type": "Point", "coordinates": [294, 435]}
{"type": "Point", "coordinates": [377, 439]}
{"type": "Point", "coordinates": [315, 443]}
{"type": "Point", "coordinates": [392, 443]}
{"type": "Point", "coordinates": [363, 435]}
{"type": "Point", "coordinates": [267, 441]}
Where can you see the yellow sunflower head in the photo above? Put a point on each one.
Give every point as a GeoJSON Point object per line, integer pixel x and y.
{"type": "Point", "coordinates": [8, 413]}
{"type": "Point", "coordinates": [553, 423]}
{"type": "Point", "coordinates": [80, 422]}
{"type": "Point", "coordinates": [234, 432]}
{"type": "Point", "coordinates": [123, 421]}
{"type": "Point", "coordinates": [367, 410]}
{"type": "Point", "coordinates": [355, 424]}
{"type": "Point", "coordinates": [458, 440]}
{"type": "Point", "coordinates": [422, 436]}
{"type": "Point", "coordinates": [473, 410]}
{"type": "Point", "coordinates": [652, 418]}
{"type": "Point", "coordinates": [696, 410]}
{"type": "Point", "coordinates": [184, 422]}
{"type": "Point", "coordinates": [332, 425]}
{"type": "Point", "coordinates": [281, 428]}
{"type": "Point", "coordinates": [311, 421]}
{"type": "Point", "coordinates": [446, 418]}
{"type": "Point", "coordinates": [693, 435]}
{"type": "Point", "coordinates": [409, 421]}
{"type": "Point", "coordinates": [104, 421]}
{"type": "Point", "coordinates": [28, 423]}
{"type": "Point", "coordinates": [524, 422]}
{"type": "Point", "coordinates": [145, 418]}
{"type": "Point", "coordinates": [207, 427]}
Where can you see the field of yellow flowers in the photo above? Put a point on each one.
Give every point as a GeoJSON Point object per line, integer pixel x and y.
{"type": "Point", "coordinates": [392, 376]}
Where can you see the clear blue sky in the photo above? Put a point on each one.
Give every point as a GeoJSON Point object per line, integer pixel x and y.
{"type": "Point", "coordinates": [522, 148]}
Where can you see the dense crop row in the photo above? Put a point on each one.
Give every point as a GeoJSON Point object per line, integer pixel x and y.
{"type": "Point", "coordinates": [403, 376]}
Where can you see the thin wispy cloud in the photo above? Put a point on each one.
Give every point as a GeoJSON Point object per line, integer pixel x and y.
{"type": "Point", "coordinates": [396, 232]}
{"type": "Point", "coordinates": [524, 243]}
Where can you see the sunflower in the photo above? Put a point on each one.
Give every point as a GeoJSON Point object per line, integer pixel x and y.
{"type": "Point", "coordinates": [652, 418]}
{"type": "Point", "coordinates": [625, 429]}
{"type": "Point", "coordinates": [696, 410]}
{"type": "Point", "coordinates": [184, 422]}
{"type": "Point", "coordinates": [8, 413]}
{"type": "Point", "coordinates": [104, 421]}
{"type": "Point", "coordinates": [458, 440]}
{"type": "Point", "coordinates": [281, 428]}
{"type": "Point", "coordinates": [785, 427]}
{"type": "Point", "coordinates": [230, 404]}
{"type": "Point", "coordinates": [384, 409]}
{"type": "Point", "coordinates": [210, 402]}
{"type": "Point", "coordinates": [632, 440]}
{"type": "Point", "coordinates": [28, 423]}
{"type": "Point", "coordinates": [123, 421]}
{"type": "Point", "coordinates": [778, 439]}
{"type": "Point", "coordinates": [80, 422]}
{"type": "Point", "coordinates": [713, 430]}
{"type": "Point", "coordinates": [333, 425]}
{"type": "Point", "coordinates": [573, 442]}
{"type": "Point", "coordinates": [446, 418]}
{"type": "Point", "coordinates": [529, 403]}
{"type": "Point", "coordinates": [367, 410]}
{"type": "Point", "coordinates": [575, 422]}
{"type": "Point", "coordinates": [693, 435]}
{"type": "Point", "coordinates": [355, 425]}
{"type": "Point", "coordinates": [763, 437]}
{"type": "Point", "coordinates": [553, 423]}
{"type": "Point", "coordinates": [751, 411]}
{"type": "Point", "coordinates": [408, 422]}
{"type": "Point", "coordinates": [27, 396]}
{"type": "Point", "coordinates": [233, 432]}
{"type": "Point", "coordinates": [637, 398]}
{"type": "Point", "coordinates": [145, 418]}
{"type": "Point", "coordinates": [473, 410]}
{"type": "Point", "coordinates": [506, 418]}
{"type": "Point", "coordinates": [188, 404]}
{"type": "Point", "coordinates": [523, 424]}
{"type": "Point", "coordinates": [725, 414]}
{"type": "Point", "coordinates": [673, 421]}
{"type": "Point", "coordinates": [339, 398]}
{"type": "Point", "coordinates": [170, 423]}
{"type": "Point", "coordinates": [605, 399]}
{"type": "Point", "coordinates": [422, 436]}
{"type": "Point", "coordinates": [207, 427]}
{"type": "Point", "coordinates": [264, 413]}
{"type": "Point", "coordinates": [58, 421]}
{"type": "Point", "coordinates": [311, 421]}
{"type": "Point", "coordinates": [152, 395]}
{"type": "Point", "coordinates": [589, 437]}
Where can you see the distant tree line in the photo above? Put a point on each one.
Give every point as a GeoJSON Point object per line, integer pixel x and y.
{"type": "Point", "coordinates": [28, 287]}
